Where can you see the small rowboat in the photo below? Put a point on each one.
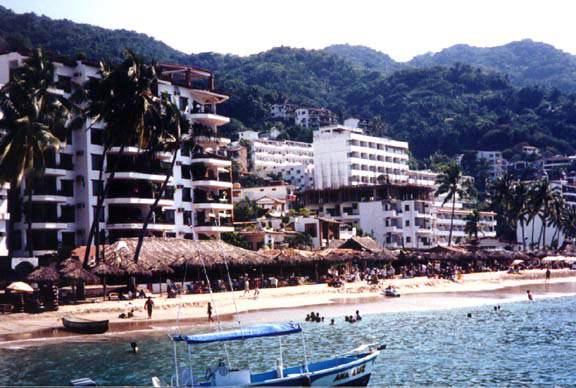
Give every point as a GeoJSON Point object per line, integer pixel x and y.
{"type": "Point", "coordinates": [391, 292]}
{"type": "Point", "coordinates": [84, 326]}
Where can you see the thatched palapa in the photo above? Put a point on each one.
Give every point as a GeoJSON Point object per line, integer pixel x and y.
{"type": "Point", "coordinates": [158, 253]}
{"type": "Point", "coordinates": [47, 274]}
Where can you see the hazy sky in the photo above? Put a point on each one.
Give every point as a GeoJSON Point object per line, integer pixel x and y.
{"type": "Point", "coordinates": [400, 28]}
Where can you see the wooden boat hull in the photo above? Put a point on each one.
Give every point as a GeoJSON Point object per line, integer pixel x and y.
{"type": "Point", "coordinates": [85, 326]}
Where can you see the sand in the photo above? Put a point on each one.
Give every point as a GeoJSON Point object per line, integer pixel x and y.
{"type": "Point", "coordinates": [284, 303]}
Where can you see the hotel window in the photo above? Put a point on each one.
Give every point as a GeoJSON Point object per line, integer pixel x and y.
{"type": "Point", "coordinates": [407, 223]}
{"type": "Point", "coordinates": [408, 240]}
{"type": "Point", "coordinates": [96, 162]}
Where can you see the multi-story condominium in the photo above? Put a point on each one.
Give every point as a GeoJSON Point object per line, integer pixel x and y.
{"type": "Point", "coordinates": [497, 165]}
{"type": "Point", "coordinates": [443, 219]}
{"type": "Point", "coordinates": [196, 203]}
{"type": "Point", "coordinates": [293, 160]}
{"type": "Point", "coordinates": [398, 214]}
{"type": "Point", "coordinates": [314, 117]}
{"type": "Point", "coordinates": [345, 156]}
{"type": "Point", "coordinates": [4, 219]}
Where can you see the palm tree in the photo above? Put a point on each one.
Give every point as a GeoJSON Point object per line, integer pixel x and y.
{"type": "Point", "coordinates": [519, 207]}
{"type": "Point", "coordinates": [556, 216]}
{"type": "Point", "coordinates": [471, 227]}
{"type": "Point", "coordinates": [451, 183]}
{"type": "Point", "coordinates": [542, 197]}
{"type": "Point", "coordinates": [124, 98]}
{"type": "Point", "coordinates": [34, 117]}
{"type": "Point", "coordinates": [502, 198]}
{"type": "Point", "coordinates": [167, 137]}
{"type": "Point", "coordinates": [569, 222]}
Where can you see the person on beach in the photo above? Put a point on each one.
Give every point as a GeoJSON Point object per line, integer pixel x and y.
{"type": "Point", "coordinates": [209, 312]}
{"type": "Point", "coordinates": [149, 306]}
{"type": "Point", "coordinates": [256, 288]}
{"type": "Point", "coordinates": [246, 286]}
{"type": "Point", "coordinates": [548, 274]}
{"type": "Point", "coordinates": [529, 295]}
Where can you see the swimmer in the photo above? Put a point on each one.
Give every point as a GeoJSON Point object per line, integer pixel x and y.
{"type": "Point", "coordinates": [469, 315]}
{"type": "Point", "coordinates": [529, 295]}
{"type": "Point", "coordinates": [358, 317]}
{"type": "Point", "coordinates": [134, 347]}
{"type": "Point", "coordinates": [332, 321]}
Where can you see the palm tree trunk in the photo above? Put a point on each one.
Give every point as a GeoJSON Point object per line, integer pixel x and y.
{"type": "Point", "coordinates": [102, 194]}
{"type": "Point", "coordinates": [452, 219]}
{"type": "Point", "coordinates": [29, 242]}
{"type": "Point", "coordinates": [153, 207]}
{"type": "Point", "coordinates": [523, 237]}
{"type": "Point", "coordinates": [532, 238]}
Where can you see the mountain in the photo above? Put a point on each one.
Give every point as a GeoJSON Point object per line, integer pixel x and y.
{"type": "Point", "coordinates": [366, 58]}
{"type": "Point", "coordinates": [68, 38]}
{"type": "Point", "coordinates": [446, 109]}
{"type": "Point", "coordinates": [526, 62]}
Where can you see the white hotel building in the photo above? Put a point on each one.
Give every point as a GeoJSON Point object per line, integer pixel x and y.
{"type": "Point", "coordinates": [345, 156]}
{"type": "Point", "coordinates": [293, 160]}
{"type": "Point", "coordinates": [196, 203]}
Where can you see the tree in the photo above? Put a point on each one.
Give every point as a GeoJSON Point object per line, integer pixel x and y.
{"type": "Point", "coordinates": [124, 98]}
{"type": "Point", "coordinates": [519, 208]}
{"type": "Point", "coordinates": [246, 210]}
{"type": "Point", "coordinates": [471, 227]}
{"type": "Point", "coordinates": [166, 137]}
{"type": "Point", "coordinates": [542, 197]}
{"type": "Point", "coordinates": [569, 222]}
{"type": "Point", "coordinates": [451, 184]}
{"type": "Point", "coordinates": [300, 241]}
{"type": "Point", "coordinates": [35, 120]}
{"type": "Point", "coordinates": [502, 202]}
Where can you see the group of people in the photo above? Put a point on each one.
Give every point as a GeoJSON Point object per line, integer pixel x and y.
{"type": "Point", "coordinates": [314, 317]}
{"type": "Point", "coordinates": [352, 318]}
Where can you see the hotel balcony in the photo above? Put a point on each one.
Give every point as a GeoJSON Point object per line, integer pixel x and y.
{"type": "Point", "coordinates": [53, 225]}
{"type": "Point", "coordinates": [212, 160]}
{"type": "Point", "coordinates": [136, 151]}
{"type": "Point", "coordinates": [214, 229]}
{"type": "Point", "coordinates": [127, 217]}
{"type": "Point", "coordinates": [393, 229]}
{"type": "Point", "coordinates": [138, 192]}
{"type": "Point", "coordinates": [208, 222]}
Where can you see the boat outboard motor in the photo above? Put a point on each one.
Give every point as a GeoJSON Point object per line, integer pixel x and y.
{"type": "Point", "coordinates": [279, 368]}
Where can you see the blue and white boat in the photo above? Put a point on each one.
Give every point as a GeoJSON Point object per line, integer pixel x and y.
{"type": "Point", "coordinates": [350, 369]}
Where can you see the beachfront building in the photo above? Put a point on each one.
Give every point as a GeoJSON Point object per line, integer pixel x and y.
{"type": "Point", "coordinates": [196, 204]}
{"type": "Point", "coordinates": [345, 156]}
{"type": "Point", "coordinates": [323, 231]}
{"type": "Point", "coordinates": [398, 215]}
{"type": "Point", "coordinates": [291, 160]}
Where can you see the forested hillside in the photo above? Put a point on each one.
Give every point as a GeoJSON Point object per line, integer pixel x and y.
{"type": "Point", "coordinates": [437, 109]}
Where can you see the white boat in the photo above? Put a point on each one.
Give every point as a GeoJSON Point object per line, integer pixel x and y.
{"type": "Point", "coordinates": [350, 369]}
{"type": "Point", "coordinates": [390, 292]}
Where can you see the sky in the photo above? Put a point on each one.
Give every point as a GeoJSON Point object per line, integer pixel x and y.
{"type": "Point", "coordinates": [399, 28]}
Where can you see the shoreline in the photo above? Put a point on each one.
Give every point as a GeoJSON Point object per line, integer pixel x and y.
{"type": "Point", "coordinates": [418, 294]}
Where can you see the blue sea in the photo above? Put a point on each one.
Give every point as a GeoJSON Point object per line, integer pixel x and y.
{"type": "Point", "coordinates": [525, 343]}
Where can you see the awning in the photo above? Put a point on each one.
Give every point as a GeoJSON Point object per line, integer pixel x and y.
{"type": "Point", "coordinates": [516, 262]}
{"type": "Point", "coordinates": [242, 334]}
{"type": "Point", "coordinates": [549, 259]}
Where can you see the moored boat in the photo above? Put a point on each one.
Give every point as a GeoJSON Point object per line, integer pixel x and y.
{"type": "Point", "coordinates": [391, 292]}
{"type": "Point", "coordinates": [350, 369]}
{"type": "Point", "coordinates": [84, 326]}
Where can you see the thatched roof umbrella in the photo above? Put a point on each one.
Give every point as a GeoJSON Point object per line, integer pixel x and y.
{"type": "Point", "coordinates": [74, 270]}
{"type": "Point", "coordinates": [180, 252]}
{"type": "Point", "coordinates": [47, 274]}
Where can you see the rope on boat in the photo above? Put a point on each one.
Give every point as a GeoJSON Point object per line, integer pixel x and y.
{"type": "Point", "coordinates": [218, 326]}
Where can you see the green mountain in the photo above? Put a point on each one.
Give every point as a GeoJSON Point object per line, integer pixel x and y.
{"type": "Point", "coordinates": [526, 62]}
{"type": "Point", "coordinates": [366, 58]}
{"type": "Point", "coordinates": [445, 109]}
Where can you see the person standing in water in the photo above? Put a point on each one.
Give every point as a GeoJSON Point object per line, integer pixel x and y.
{"type": "Point", "coordinates": [548, 274]}
{"type": "Point", "coordinates": [149, 306]}
{"type": "Point", "coordinates": [209, 312]}
{"type": "Point", "coordinates": [529, 295]}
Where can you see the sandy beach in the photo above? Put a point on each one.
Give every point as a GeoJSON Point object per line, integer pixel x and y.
{"type": "Point", "coordinates": [285, 303]}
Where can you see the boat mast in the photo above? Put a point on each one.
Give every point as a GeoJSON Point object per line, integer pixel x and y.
{"type": "Point", "coordinates": [305, 355]}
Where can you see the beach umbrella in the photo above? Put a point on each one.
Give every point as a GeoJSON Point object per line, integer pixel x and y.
{"type": "Point", "coordinates": [20, 288]}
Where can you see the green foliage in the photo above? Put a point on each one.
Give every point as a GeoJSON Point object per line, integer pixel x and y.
{"type": "Point", "coordinates": [300, 241]}
{"type": "Point", "coordinates": [246, 210]}
{"type": "Point", "coordinates": [236, 239]}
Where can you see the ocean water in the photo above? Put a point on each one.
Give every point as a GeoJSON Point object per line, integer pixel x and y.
{"type": "Point", "coordinates": [525, 343]}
